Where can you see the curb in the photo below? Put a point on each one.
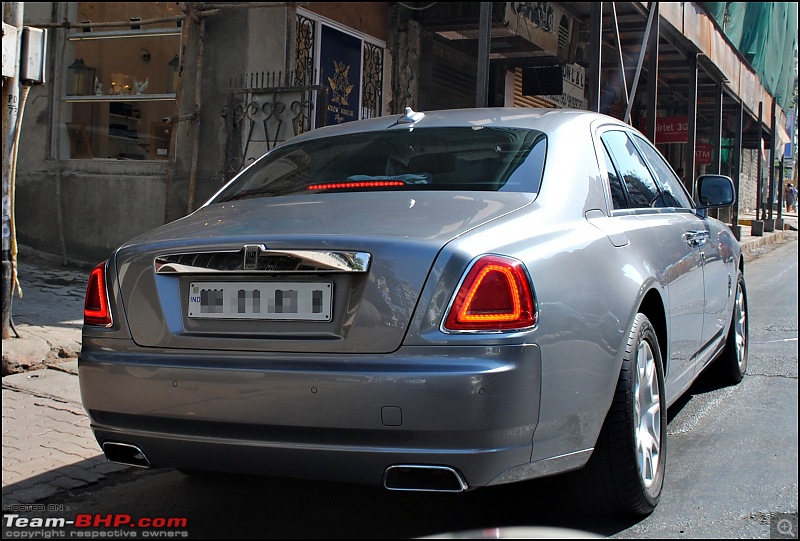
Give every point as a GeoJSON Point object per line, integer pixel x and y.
{"type": "Point", "coordinates": [755, 245]}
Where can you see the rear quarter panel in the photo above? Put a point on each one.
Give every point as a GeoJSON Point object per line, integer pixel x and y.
{"type": "Point", "coordinates": [587, 292]}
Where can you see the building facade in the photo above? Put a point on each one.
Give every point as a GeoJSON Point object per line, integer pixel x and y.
{"type": "Point", "coordinates": [150, 107]}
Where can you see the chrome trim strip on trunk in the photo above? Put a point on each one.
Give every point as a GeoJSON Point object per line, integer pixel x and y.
{"type": "Point", "coordinates": [258, 259]}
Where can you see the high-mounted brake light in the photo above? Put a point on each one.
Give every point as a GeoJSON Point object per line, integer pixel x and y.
{"type": "Point", "coordinates": [495, 295]}
{"type": "Point", "coordinates": [95, 307]}
{"type": "Point", "coordinates": [363, 184]}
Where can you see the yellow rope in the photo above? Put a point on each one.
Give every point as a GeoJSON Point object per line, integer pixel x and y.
{"type": "Point", "coordinates": [14, 248]}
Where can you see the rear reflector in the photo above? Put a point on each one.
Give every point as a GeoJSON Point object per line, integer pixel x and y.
{"type": "Point", "coordinates": [95, 307]}
{"type": "Point", "coordinates": [495, 295]}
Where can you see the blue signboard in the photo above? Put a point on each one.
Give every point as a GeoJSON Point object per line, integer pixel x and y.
{"type": "Point", "coordinates": [340, 72]}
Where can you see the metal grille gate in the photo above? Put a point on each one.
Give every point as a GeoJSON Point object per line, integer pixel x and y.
{"type": "Point", "coordinates": [265, 109]}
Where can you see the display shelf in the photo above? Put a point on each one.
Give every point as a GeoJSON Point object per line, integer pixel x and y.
{"type": "Point", "coordinates": [119, 97]}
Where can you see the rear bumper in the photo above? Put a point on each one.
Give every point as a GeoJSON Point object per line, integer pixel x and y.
{"type": "Point", "coordinates": [327, 417]}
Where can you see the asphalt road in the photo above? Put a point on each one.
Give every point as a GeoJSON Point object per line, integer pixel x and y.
{"type": "Point", "coordinates": [731, 468]}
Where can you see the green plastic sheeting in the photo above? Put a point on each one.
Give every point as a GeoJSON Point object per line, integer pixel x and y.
{"type": "Point", "coordinates": [765, 33]}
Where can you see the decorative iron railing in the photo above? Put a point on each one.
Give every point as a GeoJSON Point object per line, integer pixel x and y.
{"type": "Point", "coordinates": [266, 108]}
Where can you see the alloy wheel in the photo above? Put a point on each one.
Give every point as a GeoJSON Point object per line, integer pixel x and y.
{"type": "Point", "coordinates": [647, 414]}
{"type": "Point", "coordinates": [741, 329]}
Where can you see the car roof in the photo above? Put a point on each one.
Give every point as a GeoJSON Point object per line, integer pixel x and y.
{"type": "Point", "coordinates": [543, 119]}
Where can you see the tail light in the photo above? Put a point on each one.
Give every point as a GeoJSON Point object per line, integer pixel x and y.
{"type": "Point", "coordinates": [495, 295]}
{"type": "Point", "coordinates": [95, 307]}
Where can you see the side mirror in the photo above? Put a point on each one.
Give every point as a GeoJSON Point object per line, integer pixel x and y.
{"type": "Point", "coordinates": [715, 191]}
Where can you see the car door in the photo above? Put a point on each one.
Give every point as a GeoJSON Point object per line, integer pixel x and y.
{"type": "Point", "coordinates": [713, 241]}
{"type": "Point", "coordinates": [679, 234]}
{"type": "Point", "coordinates": [720, 283]}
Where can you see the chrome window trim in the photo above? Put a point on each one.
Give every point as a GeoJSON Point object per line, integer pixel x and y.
{"type": "Point", "coordinates": [311, 261]}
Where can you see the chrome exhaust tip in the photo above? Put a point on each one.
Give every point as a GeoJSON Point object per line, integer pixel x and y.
{"type": "Point", "coordinates": [125, 453]}
{"type": "Point", "coordinates": [425, 478]}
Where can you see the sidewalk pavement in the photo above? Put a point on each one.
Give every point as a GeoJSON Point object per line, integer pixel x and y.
{"type": "Point", "coordinates": [48, 446]}
{"type": "Point", "coordinates": [47, 443]}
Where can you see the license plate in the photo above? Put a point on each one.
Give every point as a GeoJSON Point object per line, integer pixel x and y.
{"type": "Point", "coordinates": [301, 301]}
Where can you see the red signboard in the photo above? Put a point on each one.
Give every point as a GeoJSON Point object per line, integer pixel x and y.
{"type": "Point", "coordinates": [670, 129]}
{"type": "Point", "coordinates": [702, 153]}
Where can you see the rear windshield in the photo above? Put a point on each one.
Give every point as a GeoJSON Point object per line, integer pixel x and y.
{"type": "Point", "coordinates": [465, 158]}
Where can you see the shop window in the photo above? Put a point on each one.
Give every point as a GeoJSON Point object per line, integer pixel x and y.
{"type": "Point", "coordinates": [347, 63]}
{"type": "Point", "coordinates": [120, 83]}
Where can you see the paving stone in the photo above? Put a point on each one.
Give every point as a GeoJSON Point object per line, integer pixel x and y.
{"type": "Point", "coordinates": [71, 448]}
{"type": "Point", "coordinates": [42, 464]}
{"type": "Point", "coordinates": [26, 443]}
{"type": "Point", "coordinates": [67, 483]}
{"type": "Point", "coordinates": [110, 467]}
{"type": "Point", "coordinates": [10, 501]}
{"type": "Point", "coordinates": [81, 473]}
{"type": "Point", "coordinates": [35, 480]}
{"type": "Point", "coordinates": [35, 493]}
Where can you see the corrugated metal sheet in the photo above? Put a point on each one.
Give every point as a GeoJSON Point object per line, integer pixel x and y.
{"type": "Point", "coordinates": [453, 78]}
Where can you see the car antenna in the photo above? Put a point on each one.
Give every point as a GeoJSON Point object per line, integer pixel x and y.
{"type": "Point", "coordinates": [410, 117]}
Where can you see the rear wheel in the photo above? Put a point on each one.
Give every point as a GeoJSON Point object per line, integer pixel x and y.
{"type": "Point", "coordinates": [625, 473]}
{"type": "Point", "coordinates": [731, 365]}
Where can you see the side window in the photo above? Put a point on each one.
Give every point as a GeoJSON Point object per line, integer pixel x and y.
{"type": "Point", "coordinates": [674, 194]}
{"type": "Point", "coordinates": [617, 193]}
{"type": "Point", "coordinates": [640, 185]}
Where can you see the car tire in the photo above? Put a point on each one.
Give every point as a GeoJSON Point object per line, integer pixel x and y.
{"type": "Point", "coordinates": [625, 473]}
{"type": "Point", "coordinates": [731, 365]}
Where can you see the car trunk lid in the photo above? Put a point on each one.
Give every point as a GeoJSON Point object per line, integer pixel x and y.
{"type": "Point", "coordinates": [334, 272]}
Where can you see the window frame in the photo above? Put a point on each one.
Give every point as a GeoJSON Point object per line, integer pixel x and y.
{"type": "Point", "coordinates": [256, 181]}
{"type": "Point", "coordinates": [641, 141]}
{"type": "Point", "coordinates": [319, 22]}
{"type": "Point", "coordinates": [608, 160]}
{"type": "Point", "coordinates": [615, 162]}
{"type": "Point", "coordinates": [75, 35]}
